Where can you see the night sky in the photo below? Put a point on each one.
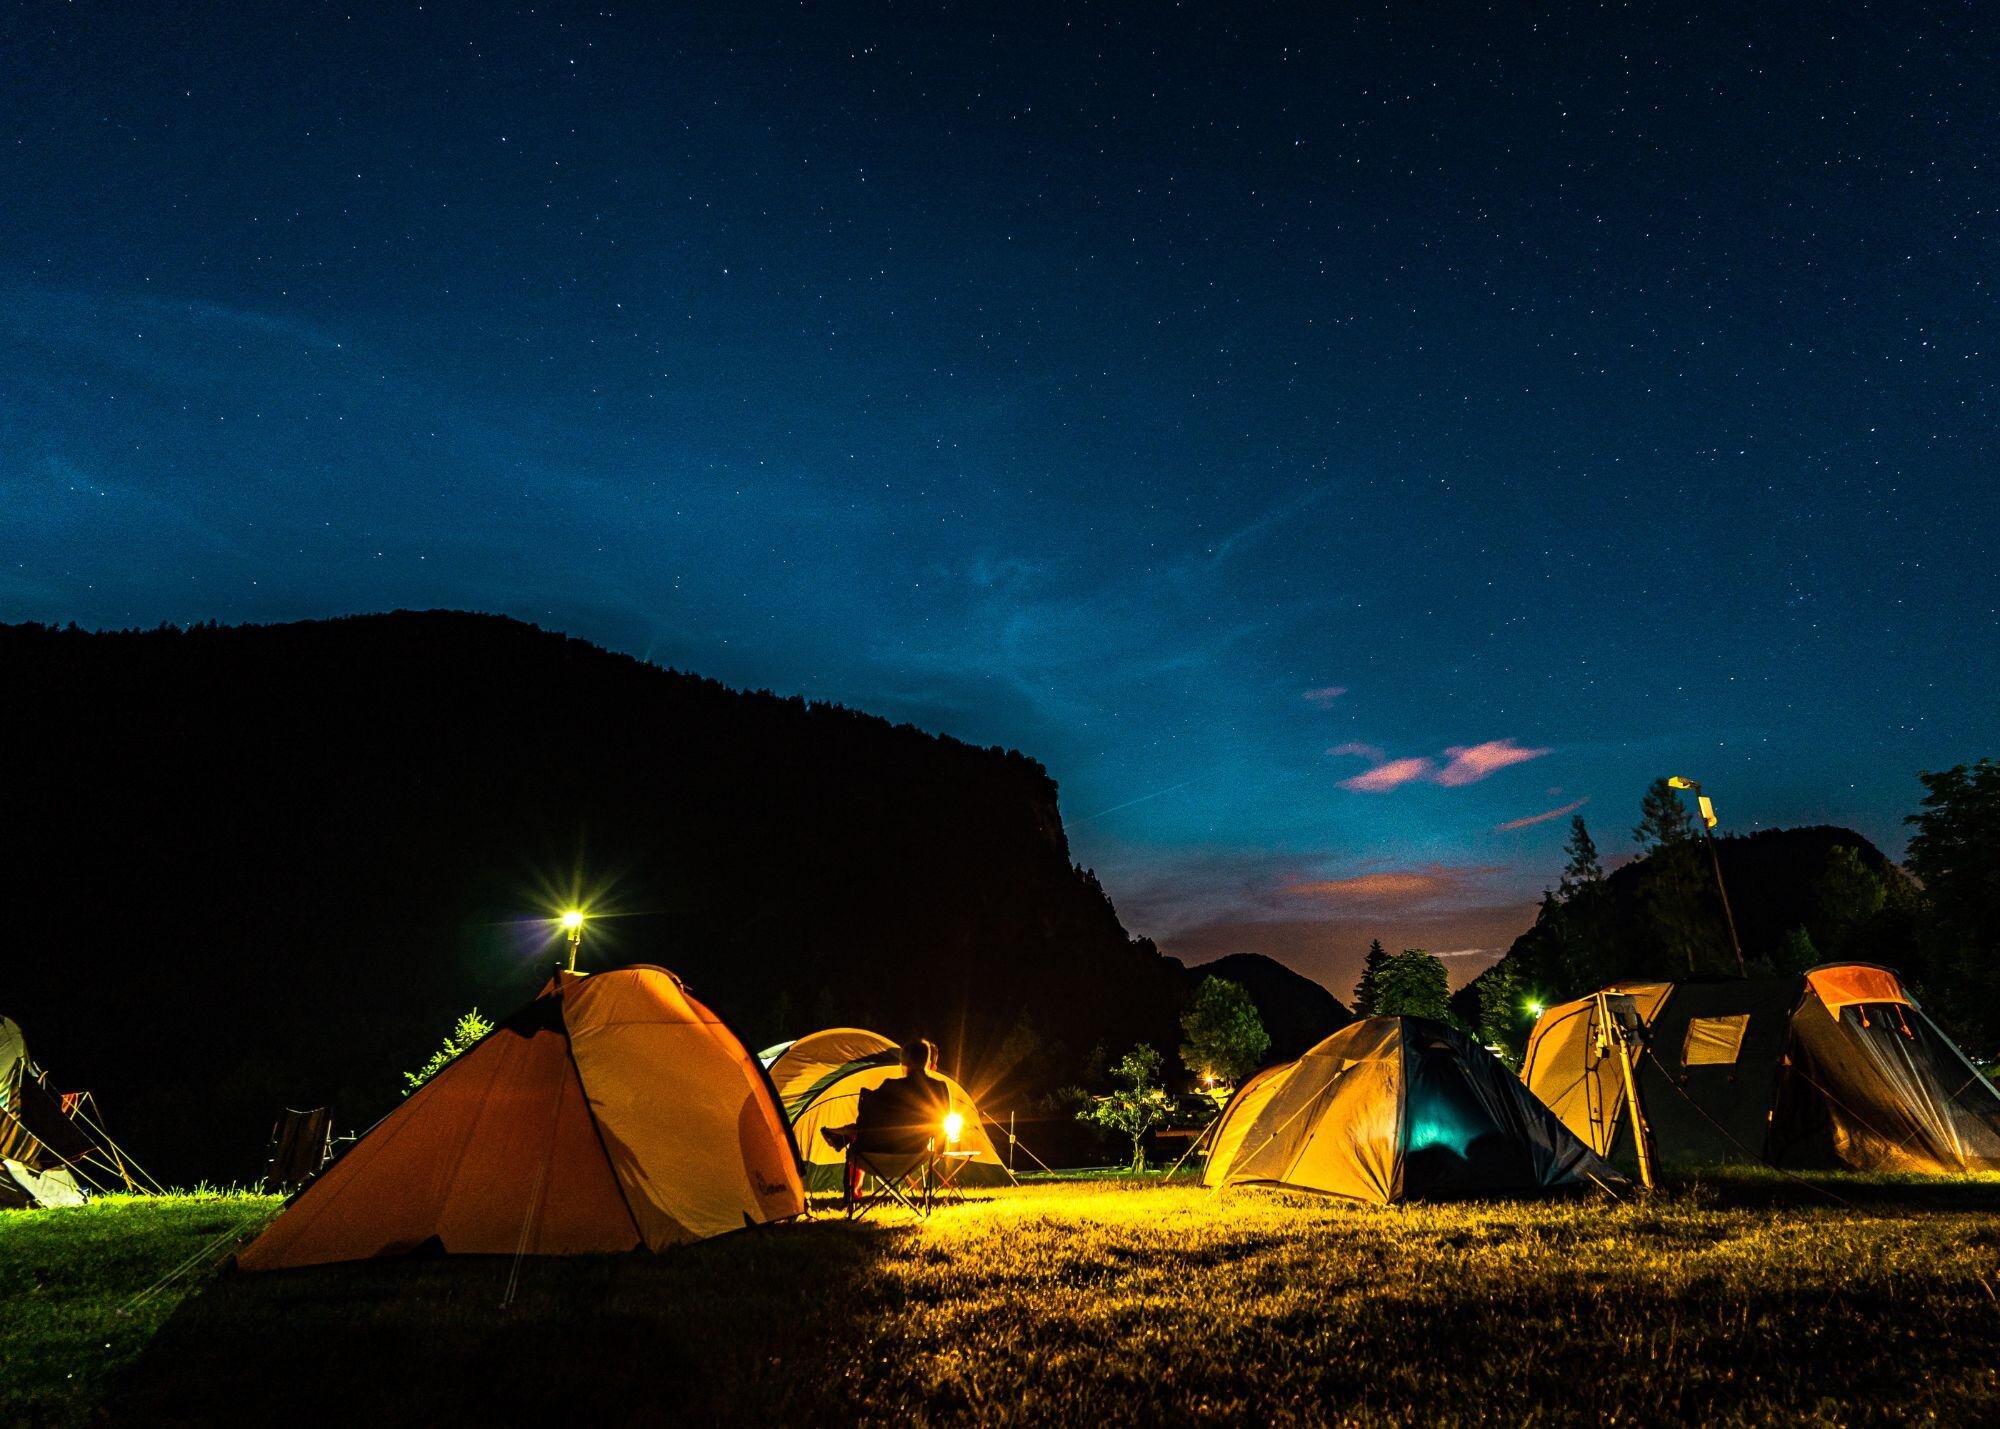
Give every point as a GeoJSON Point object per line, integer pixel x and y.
{"type": "Point", "coordinates": [1337, 445]}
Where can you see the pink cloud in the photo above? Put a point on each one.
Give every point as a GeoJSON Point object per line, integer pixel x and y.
{"type": "Point", "coordinates": [1472, 762]}
{"type": "Point", "coordinates": [1370, 752]}
{"type": "Point", "coordinates": [1325, 695]}
{"type": "Point", "coordinates": [1398, 887]}
{"type": "Point", "coordinates": [1541, 818]}
{"type": "Point", "coordinates": [1389, 775]}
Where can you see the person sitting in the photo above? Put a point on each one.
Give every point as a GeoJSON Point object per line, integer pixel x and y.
{"type": "Point", "coordinates": [901, 1117]}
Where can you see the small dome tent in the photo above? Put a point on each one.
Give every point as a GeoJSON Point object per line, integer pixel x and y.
{"type": "Point", "coordinates": [1835, 1068]}
{"type": "Point", "coordinates": [53, 1149]}
{"type": "Point", "coordinates": [1391, 1109]}
{"type": "Point", "coordinates": [615, 1111]}
{"type": "Point", "coordinates": [819, 1080]}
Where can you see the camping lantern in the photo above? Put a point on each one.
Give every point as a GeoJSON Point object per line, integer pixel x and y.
{"type": "Point", "coordinates": [954, 1127]}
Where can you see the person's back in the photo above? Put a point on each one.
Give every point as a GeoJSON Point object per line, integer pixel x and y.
{"type": "Point", "coordinates": [904, 1113]}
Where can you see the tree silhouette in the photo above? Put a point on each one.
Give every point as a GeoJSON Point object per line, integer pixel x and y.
{"type": "Point", "coordinates": [1371, 970]}
{"type": "Point", "coordinates": [1583, 869]}
{"type": "Point", "coordinates": [1955, 854]}
{"type": "Point", "coordinates": [1663, 819]}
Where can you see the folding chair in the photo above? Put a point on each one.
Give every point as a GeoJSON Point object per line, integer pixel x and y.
{"type": "Point", "coordinates": [301, 1145]}
{"type": "Point", "coordinates": [900, 1177]}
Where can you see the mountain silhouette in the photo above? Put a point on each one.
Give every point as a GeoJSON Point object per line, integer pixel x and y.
{"type": "Point", "coordinates": [267, 865]}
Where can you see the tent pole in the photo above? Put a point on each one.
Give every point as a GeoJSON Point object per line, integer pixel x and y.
{"type": "Point", "coordinates": [1642, 1134]}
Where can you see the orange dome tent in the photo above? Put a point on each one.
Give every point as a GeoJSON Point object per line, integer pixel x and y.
{"type": "Point", "coordinates": [615, 1111]}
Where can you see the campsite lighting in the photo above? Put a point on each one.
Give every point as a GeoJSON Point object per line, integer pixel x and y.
{"type": "Point", "coordinates": [1708, 821]}
{"type": "Point", "coordinates": [1535, 1009]}
{"type": "Point", "coordinates": [572, 924]}
{"type": "Point", "coordinates": [954, 1126]}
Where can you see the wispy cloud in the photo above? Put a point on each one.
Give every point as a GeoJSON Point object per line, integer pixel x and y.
{"type": "Point", "coordinates": [1373, 753]}
{"type": "Point", "coordinates": [1472, 762]}
{"type": "Point", "coordinates": [1402, 887]}
{"type": "Point", "coordinates": [1390, 774]}
{"type": "Point", "coordinates": [1541, 818]}
{"type": "Point", "coordinates": [1325, 695]}
{"type": "Point", "coordinates": [1463, 764]}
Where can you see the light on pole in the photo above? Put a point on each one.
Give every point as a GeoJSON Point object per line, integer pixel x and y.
{"type": "Point", "coordinates": [1677, 781]}
{"type": "Point", "coordinates": [572, 924]}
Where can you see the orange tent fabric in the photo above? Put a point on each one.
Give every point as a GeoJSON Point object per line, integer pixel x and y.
{"type": "Point", "coordinates": [614, 1111]}
{"type": "Point", "coordinates": [1846, 984]}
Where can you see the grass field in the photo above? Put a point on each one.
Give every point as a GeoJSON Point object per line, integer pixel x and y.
{"type": "Point", "coordinates": [1751, 1300]}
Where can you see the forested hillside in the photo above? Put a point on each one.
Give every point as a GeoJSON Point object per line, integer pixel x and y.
{"type": "Point", "coordinates": [261, 866]}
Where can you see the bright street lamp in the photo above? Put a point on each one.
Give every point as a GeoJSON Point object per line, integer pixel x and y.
{"type": "Point", "coordinates": [571, 923]}
{"type": "Point", "coordinates": [1677, 781]}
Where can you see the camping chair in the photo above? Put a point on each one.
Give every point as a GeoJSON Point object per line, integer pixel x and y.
{"type": "Point", "coordinates": [901, 1176]}
{"type": "Point", "coordinates": [301, 1144]}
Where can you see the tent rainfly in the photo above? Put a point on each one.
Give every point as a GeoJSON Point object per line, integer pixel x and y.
{"type": "Point", "coordinates": [615, 1111]}
{"type": "Point", "coordinates": [819, 1080]}
{"type": "Point", "coordinates": [1834, 1068]}
{"type": "Point", "coordinates": [1393, 1109]}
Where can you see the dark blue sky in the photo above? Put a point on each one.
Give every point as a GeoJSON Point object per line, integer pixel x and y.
{"type": "Point", "coordinates": [1324, 440]}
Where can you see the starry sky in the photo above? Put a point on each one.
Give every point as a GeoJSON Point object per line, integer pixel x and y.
{"type": "Point", "coordinates": [1338, 442]}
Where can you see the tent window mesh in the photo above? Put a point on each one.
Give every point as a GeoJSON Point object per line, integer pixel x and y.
{"type": "Point", "coordinates": [1714, 1041]}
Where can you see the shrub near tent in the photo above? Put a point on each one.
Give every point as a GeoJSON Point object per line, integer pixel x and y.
{"type": "Point", "coordinates": [819, 1080]}
{"type": "Point", "coordinates": [1394, 1109]}
{"type": "Point", "coordinates": [615, 1111]}
{"type": "Point", "coordinates": [1835, 1068]}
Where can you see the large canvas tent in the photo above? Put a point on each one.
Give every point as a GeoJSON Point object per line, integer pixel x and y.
{"type": "Point", "coordinates": [1834, 1068]}
{"type": "Point", "coordinates": [615, 1111]}
{"type": "Point", "coordinates": [53, 1149]}
{"type": "Point", "coordinates": [819, 1080]}
{"type": "Point", "coordinates": [1393, 1109]}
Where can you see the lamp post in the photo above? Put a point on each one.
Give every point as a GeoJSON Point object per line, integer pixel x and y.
{"type": "Point", "coordinates": [1708, 836]}
{"type": "Point", "coordinates": [572, 924]}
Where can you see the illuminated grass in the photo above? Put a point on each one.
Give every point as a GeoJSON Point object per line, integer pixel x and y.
{"type": "Point", "coordinates": [69, 1279]}
{"type": "Point", "coordinates": [1115, 1300]}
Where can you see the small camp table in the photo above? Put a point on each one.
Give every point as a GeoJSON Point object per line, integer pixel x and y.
{"type": "Point", "coordinates": [946, 1171]}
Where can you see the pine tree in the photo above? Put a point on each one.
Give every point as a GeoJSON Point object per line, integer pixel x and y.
{"type": "Point", "coordinates": [1583, 869]}
{"type": "Point", "coordinates": [1364, 991]}
{"type": "Point", "coordinates": [1663, 819]}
